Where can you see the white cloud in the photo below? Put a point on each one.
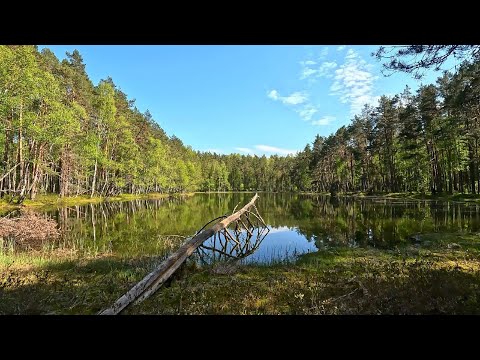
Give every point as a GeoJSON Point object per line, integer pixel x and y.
{"type": "Point", "coordinates": [324, 120]}
{"type": "Point", "coordinates": [306, 72]}
{"type": "Point", "coordinates": [218, 151]}
{"type": "Point", "coordinates": [245, 150]}
{"type": "Point", "coordinates": [273, 95]}
{"type": "Point", "coordinates": [295, 98]}
{"type": "Point", "coordinates": [307, 112]}
{"type": "Point", "coordinates": [324, 70]}
{"type": "Point", "coordinates": [278, 229]}
{"type": "Point", "coordinates": [354, 82]}
{"type": "Point", "coordinates": [351, 54]}
{"type": "Point", "coordinates": [273, 149]}
{"type": "Point", "coordinates": [336, 86]}
{"type": "Point", "coordinates": [324, 52]}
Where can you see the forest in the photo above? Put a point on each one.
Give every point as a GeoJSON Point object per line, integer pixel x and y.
{"type": "Point", "coordinates": [62, 134]}
{"type": "Point", "coordinates": [96, 199]}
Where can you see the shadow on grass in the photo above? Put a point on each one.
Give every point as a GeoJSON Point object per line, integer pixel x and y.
{"type": "Point", "coordinates": [415, 288]}
{"type": "Point", "coordinates": [352, 281]}
{"type": "Point", "coordinates": [329, 283]}
{"type": "Point", "coordinates": [71, 286]}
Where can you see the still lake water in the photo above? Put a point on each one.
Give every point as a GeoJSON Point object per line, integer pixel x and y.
{"type": "Point", "coordinates": [298, 223]}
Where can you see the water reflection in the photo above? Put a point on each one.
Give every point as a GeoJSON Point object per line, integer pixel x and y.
{"type": "Point", "coordinates": [298, 223]}
{"type": "Point", "coordinates": [240, 245]}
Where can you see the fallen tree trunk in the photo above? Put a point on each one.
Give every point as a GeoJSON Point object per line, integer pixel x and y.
{"type": "Point", "coordinates": [156, 278]}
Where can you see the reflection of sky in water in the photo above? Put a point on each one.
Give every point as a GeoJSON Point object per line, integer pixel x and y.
{"type": "Point", "coordinates": [281, 243]}
{"type": "Point", "coordinates": [145, 227]}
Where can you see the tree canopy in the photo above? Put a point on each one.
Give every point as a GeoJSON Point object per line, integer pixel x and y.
{"type": "Point", "coordinates": [62, 134]}
{"type": "Point", "coordinates": [415, 59]}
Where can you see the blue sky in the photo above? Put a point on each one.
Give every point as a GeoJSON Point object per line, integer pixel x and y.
{"type": "Point", "coordinates": [246, 99]}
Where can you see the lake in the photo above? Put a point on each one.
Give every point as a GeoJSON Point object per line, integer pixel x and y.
{"type": "Point", "coordinates": [298, 223]}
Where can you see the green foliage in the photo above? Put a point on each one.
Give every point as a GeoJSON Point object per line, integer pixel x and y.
{"type": "Point", "coordinates": [423, 142]}
{"type": "Point", "coordinates": [373, 257]}
{"type": "Point", "coordinates": [62, 134]}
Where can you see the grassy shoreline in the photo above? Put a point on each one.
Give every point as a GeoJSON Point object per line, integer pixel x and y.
{"type": "Point", "coordinates": [406, 195]}
{"type": "Point", "coordinates": [380, 195]}
{"type": "Point", "coordinates": [55, 200]}
{"type": "Point", "coordinates": [419, 196]}
{"type": "Point", "coordinates": [440, 277]}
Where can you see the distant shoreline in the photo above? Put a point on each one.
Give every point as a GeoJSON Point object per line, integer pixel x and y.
{"type": "Point", "coordinates": [55, 200]}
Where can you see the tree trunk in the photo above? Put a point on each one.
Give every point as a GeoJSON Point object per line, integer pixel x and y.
{"type": "Point", "coordinates": [94, 179]}
{"type": "Point", "coordinates": [36, 173]}
{"type": "Point", "coordinates": [5, 184]}
{"type": "Point", "coordinates": [471, 166]}
{"type": "Point", "coordinates": [20, 146]}
{"type": "Point", "coordinates": [105, 183]}
{"type": "Point", "coordinates": [64, 172]}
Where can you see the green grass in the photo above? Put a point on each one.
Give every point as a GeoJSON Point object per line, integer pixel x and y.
{"type": "Point", "coordinates": [440, 276]}
{"type": "Point", "coordinates": [51, 200]}
{"type": "Point", "coordinates": [343, 281]}
{"type": "Point", "coordinates": [410, 195]}
{"type": "Point", "coordinates": [66, 284]}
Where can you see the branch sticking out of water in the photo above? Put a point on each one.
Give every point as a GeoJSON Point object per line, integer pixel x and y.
{"type": "Point", "coordinates": [156, 278]}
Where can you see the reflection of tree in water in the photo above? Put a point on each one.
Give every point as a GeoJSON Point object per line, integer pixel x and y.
{"type": "Point", "coordinates": [240, 239]}
{"type": "Point", "coordinates": [136, 226]}
{"type": "Point", "coordinates": [142, 226]}
{"type": "Point", "coordinates": [383, 223]}
{"type": "Point", "coordinates": [302, 209]}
